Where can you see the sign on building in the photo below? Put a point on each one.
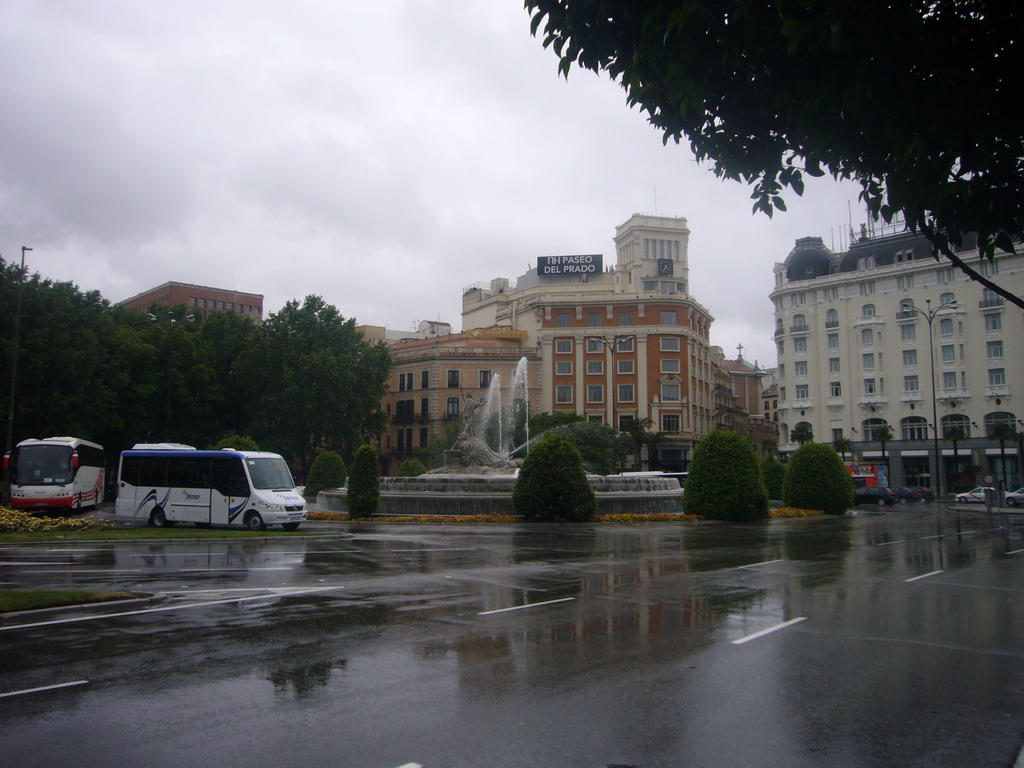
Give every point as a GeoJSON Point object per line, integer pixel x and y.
{"type": "Point", "coordinates": [582, 264]}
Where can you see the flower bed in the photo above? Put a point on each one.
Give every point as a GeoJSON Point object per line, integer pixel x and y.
{"type": "Point", "coordinates": [19, 521]}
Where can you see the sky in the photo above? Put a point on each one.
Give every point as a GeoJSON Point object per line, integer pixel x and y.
{"type": "Point", "coordinates": [381, 155]}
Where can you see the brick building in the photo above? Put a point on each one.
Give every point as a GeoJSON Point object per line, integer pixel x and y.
{"type": "Point", "coordinates": [200, 300]}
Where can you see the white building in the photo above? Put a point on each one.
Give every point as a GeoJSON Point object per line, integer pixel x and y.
{"type": "Point", "coordinates": [859, 334]}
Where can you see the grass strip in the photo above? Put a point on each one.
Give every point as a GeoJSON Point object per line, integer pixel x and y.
{"type": "Point", "coordinates": [126, 534]}
{"type": "Point", "coordinates": [27, 600]}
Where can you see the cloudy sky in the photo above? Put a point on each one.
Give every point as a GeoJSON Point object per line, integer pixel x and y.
{"type": "Point", "coordinates": [383, 155]}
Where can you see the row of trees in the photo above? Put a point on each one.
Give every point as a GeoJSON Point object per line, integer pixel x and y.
{"type": "Point", "coordinates": [302, 382]}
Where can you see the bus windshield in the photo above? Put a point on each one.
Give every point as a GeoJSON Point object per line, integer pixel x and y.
{"type": "Point", "coordinates": [270, 474]}
{"type": "Point", "coordinates": [43, 465]}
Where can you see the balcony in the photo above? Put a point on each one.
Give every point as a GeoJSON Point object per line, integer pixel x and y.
{"type": "Point", "coordinates": [906, 314]}
{"type": "Point", "coordinates": [914, 396]}
{"type": "Point", "coordinates": [953, 393]}
{"type": "Point", "coordinates": [997, 390]}
{"type": "Point", "coordinates": [991, 302]}
{"type": "Point", "coordinates": [830, 324]}
{"type": "Point", "coordinates": [799, 329]}
{"type": "Point", "coordinates": [868, 320]}
{"type": "Point", "coordinates": [873, 399]}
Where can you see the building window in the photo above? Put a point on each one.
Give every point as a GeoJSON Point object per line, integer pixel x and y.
{"type": "Point", "coordinates": [669, 318]}
{"type": "Point", "coordinates": [868, 361]}
{"type": "Point", "coordinates": [669, 344]}
{"type": "Point", "coordinates": [595, 393]}
{"type": "Point", "coordinates": [914, 428]}
{"type": "Point", "coordinates": [202, 303]}
{"type": "Point", "coordinates": [994, 349]}
{"type": "Point", "coordinates": [867, 288]}
{"type": "Point", "coordinates": [425, 379]}
{"type": "Point", "coordinates": [220, 305]}
{"type": "Point", "coordinates": [833, 341]}
{"type": "Point", "coordinates": [869, 386]}
{"type": "Point", "coordinates": [670, 393]}
{"type": "Point", "coordinates": [625, 367]}
{"type": "Point", "coordinates": [453, 379]}
{"type": "Point", "coordinates": [452, 407]}
{"type": "Point", "coordinates": [868, 310]}
{"type": "Point", "coordinates": [908, 332]}
{"type": "Point", "coordinates": [800, 367]}
{"type": "Point", "coordinates": [910, 357]}
{"type": "Point", "coordinates": [833, 365]}
{"type": "Point", "coordinates": [563, 393]}
{"type": "Point", "coordinates": [424, 407]}
{"type": "Point", "coordinates": [782, 370]}
{"type": "Point", "coordinates": [867, 336]}
{"type": "Point", "coordinates": [948, 353]}
{"type": "Point", "coordinates": [563, 320]}
{"type": "Point", "coordinates": [947, 299]}
{"type": "Point", "coordinates": [946, 326]}
{"type": "Point", "coordinates": [595, 367]}
{"type": "Point", "coordinates": [799, 323]}
{"type": "Point", "coordinates": [910, 384]}
{"type": "Point", "coordinates": [485, 379]}
{"type": "Point", "coordinates": [996, 377]}
{"type": "Point", "coordinates": [670, 422]}
{"type": "Point", "coordinates": [994, 321]}
{"type": "Point", "coordinates": [563, 368]}
{"type": "Point", "coordinates": [563, 346]}
{"type": "Point", "coordinates": [800, 344]}
{"type": "Point", "coordinates": [832, 319]}
{"type": "Point", "coordinates": [802, 392]}
{"type": "Point", "coordinates": [669, 365]}
{"type": "Point", "coordinates": [626, 393]}
{"type": "Point", "coordinates": [625, 344]}
{"type": "Point", "coordinates": [949, 380]}
{"type": "Point", "coordinates": [625, 318]}
{"type": "Point", "coordinates": [594, 346]}
{"type": "Point", "coordinates": [836, 389]}
{"type": "Point", "coordinates": [594, 320]}
{"type": "Point", "coordinates": [191, 301]}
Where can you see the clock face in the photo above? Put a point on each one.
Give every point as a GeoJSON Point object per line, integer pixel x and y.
{"type": "Point", "coordinates": [665, 267]}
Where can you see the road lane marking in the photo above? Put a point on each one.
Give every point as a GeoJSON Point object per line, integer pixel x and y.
{"type": "Point", "coordinates": [768, 631]}
{"type": "Point", "coordinates": [923, 576]}
{"type": "Point", "coordinates": [232, 568]}
{"type": "Point", "coordinates": [43, 688]}
{"type": "Point", "coordinates": [437, 549]}
{"type": "Point", "coordinates": [763, 562]}
{"type": "Point", "coordinates": [890, 543]}
{"type": "Point", "coordinates": [528, 605]}
{"type": "Point", "coordinates": [1015, 552]}
{"type": "Point", "coordinates": [278, 592]}
{"type": "Point", "coordinates": [936, 536]}
{"type": "Point", "coordinates": [95, 570]}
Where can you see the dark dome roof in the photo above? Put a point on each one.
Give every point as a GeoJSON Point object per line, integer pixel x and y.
{"type": "Point", "coordinates": [808, 259]}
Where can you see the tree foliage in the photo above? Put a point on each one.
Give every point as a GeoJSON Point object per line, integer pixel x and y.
{"type": "Point", "coordinates": [773, 472]}
{"type": "Point", "coordinates": [236, 442]}
{"type": "Point", "coordinates": [410, 468]}
{"type": "Point", "coordinates": [327, 471]}
{"type": "Point", "coordinates": [802, 433]}
{"type": "Point", "coordinates": [817, 479]}
{"type": "Point", "coordinates": [552, 485]}
{"type": "Point", "coordinates": [363, 496]}
{"type": "Point", "coordinates": [878, 92]}
{"type": "Point", "coordinates": [724, 480]}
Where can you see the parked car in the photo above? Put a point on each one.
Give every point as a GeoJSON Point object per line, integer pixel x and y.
{"type": "Point", "coordinates": [926, 494]}
{"type": "Point", "coordinates": [1013, 498]}
{"type": "Point", "coordinates": [975, 495]}
{"type": "Point", "coordinates": [881, 495]}
{"type": "Point", "coordinates": [907, 495]}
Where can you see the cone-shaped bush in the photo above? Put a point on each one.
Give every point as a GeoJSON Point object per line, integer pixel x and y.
{"type": "Point", "coordinates": [724, 481]}
{"type": "Point", "coordinates": [552, 485]}
{"type": "Point", "coordinates": [363, 497]}
{"type": "Point", "coordinates": [411, 468]}
{"type": "Point", "coordinates": [817, 479]}
{"type": "Point", "coordinates": [774, 472]}
{"type": "Point", "coordinates": [328, 471]}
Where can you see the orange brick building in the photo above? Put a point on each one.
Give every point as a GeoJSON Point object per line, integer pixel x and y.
{"type": "Point", "coordinates": [200, 300]}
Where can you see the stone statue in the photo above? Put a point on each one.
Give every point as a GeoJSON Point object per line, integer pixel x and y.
{"type": "Point", "coordinates": [467, 416]}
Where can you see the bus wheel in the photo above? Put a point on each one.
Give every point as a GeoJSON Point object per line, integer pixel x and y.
{"type": "Point", "coordinates": [254, 522]}
{"type": "Point", "coordinates": [157, 518]}
{"type": "Point", "coordinates": [290, 526]}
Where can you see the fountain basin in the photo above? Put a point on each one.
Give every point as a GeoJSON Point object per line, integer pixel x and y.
{"type": "Point", "coordinates": [491, 494]}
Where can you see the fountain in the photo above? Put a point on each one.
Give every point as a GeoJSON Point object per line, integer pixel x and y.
{"type": "Point", "coordinates": [480, 469]}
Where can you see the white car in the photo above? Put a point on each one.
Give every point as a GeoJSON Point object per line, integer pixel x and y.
{"type": "Point", "coordinates": [974, 495]}
{"type": "Point", "coordinates": [1013, 498]}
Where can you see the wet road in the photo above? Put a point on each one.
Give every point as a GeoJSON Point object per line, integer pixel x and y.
{"type": "Point", "coordinates": [893, 638]}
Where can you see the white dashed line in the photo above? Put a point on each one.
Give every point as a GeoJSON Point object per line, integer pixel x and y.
{"type": "Point", "coordinates": [768, 631]}
{"type": "Point", "coordinates": [44, 688]}
{"type": "Point", "coordinates": [923, 576]}
{"type": "Point", "coordinates": [528, 605]}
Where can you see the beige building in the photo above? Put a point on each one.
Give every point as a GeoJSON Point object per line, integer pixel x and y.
{"type": "Point", "coordinates": [884, 335]}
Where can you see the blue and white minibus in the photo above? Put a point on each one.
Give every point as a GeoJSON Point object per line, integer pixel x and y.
{"type": "Point", "coordinates": [168, 483]}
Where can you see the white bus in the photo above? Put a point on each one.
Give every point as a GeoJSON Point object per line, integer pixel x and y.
{"type": "Point", "coordinates": [56, 472]}
{"type": "Point", "coordinates": [167, 483]}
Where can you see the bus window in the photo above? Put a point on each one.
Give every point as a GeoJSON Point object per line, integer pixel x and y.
{"type": "Point", "coordinates": [189, 472]}
{"type": "Point", "coordinates": [152, 471]}
{"type": "Point", "coordinates": [227, 477]}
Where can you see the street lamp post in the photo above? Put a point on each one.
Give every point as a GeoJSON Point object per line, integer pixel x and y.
{"type": "Point", "coordinates": [9, 438]}
{"type": "Point", "coordinates": [929, 315]}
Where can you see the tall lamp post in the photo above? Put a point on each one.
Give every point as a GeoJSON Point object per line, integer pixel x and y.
{"type": "Point", "coordinates": [9, 438]}
{"type": "Point", "coordinates": [929, 315]}
{"type": "Point", "coordinates": [171, 320]}
{"type": "Point", "coordinates": [612, 345]}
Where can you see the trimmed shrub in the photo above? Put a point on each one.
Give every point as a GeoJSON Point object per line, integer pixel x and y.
{"type": "Point", "coordinates": [411, 468]}
{"type": "Point", "coordinates": [724, 481]}
{"type": "Point", "coordinates": [552, 485]}
{"type": "Point", "coordinates": [327, 471]}
{"type": "Point", "coordinates": [774, 472]}
{"type": "Point", "coordinates": [363, 497]}
{"type": "Point", "coordinates": [817, 479]}
{"type": "Point", "coordinates": [238, 442]}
